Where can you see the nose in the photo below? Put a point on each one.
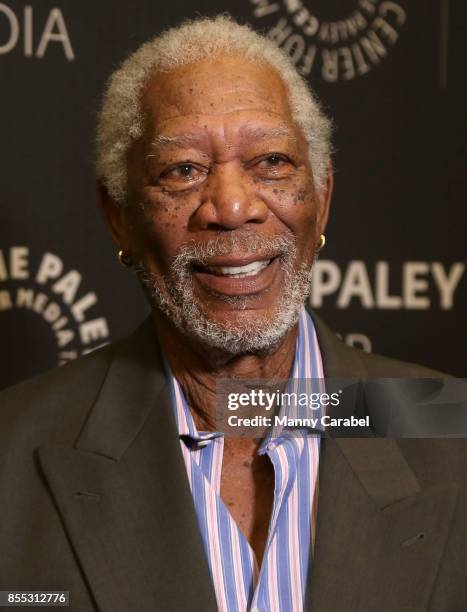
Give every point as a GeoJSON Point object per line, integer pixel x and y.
{"type": "Point", "coordinates": [229, 200]}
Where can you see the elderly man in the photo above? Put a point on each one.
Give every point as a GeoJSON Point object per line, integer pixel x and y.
{"type": "Point", "coordinates": [215, 180]}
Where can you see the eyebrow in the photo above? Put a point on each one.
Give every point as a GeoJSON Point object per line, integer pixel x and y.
{"type": "Point", "coordinates": [264, 133]}
{"type": "Point", "coordinates": [256, 133]}
{"type": "Point", "coordinates": [175, 141]}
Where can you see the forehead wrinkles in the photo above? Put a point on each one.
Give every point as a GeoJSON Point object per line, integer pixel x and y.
{"type": "Point", "coordinates": [221, 134]}
{"type": "Point", "coordinates": [184, 98]}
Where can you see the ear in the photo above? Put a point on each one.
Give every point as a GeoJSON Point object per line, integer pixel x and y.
{"type": "Point", "coordinates": [324, 197]}
{"type": "Point", "coordinates": [114, 217]}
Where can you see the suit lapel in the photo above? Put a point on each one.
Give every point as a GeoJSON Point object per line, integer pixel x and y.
{"type": "Point", "coordinates": [123, 495]}
{"type": "Point", "coordinates": [380, 535]}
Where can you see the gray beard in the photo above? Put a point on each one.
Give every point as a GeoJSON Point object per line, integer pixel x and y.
{"type": "Point", "coordinates": [174, 294]}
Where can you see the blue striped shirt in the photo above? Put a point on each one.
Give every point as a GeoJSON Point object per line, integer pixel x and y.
{"type": "Point", "coordinates": [239, 584]}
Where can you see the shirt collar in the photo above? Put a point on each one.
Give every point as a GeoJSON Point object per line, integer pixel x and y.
{"type": "Point", "coordinates": [307, 365]}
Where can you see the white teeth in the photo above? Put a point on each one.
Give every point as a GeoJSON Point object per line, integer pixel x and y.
{"type": "Point", "coordinates": [249, 270]}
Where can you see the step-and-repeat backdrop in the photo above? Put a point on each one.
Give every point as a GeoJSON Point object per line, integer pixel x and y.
{"type": "Point", "coordinates": [392, 74]}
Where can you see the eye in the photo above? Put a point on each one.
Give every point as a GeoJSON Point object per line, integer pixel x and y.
{"type": "Point", "coordinates": [182, 176]}
{"type": "Point", "coordinates": [183, 171]}
{"type": "Point", "coordinates": [273, 165]}
{"type": "Point", "coordinates": [273, 160]}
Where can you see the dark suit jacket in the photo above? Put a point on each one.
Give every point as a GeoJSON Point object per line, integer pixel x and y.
{"type": "Point", "coordinates": [94, 496]}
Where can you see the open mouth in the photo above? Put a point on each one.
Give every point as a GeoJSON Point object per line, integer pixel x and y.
{"type": "Point", "coordinates": [249, 269]}
{"type": "Point", "coordinates": [242, 276]}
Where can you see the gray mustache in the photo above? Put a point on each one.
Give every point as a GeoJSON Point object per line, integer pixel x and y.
{"type": "Point", "coordinates": [196, 253]}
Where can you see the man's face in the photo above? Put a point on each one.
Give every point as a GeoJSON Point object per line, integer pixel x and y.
{"type": "Point", "coordinates": [222, 216]}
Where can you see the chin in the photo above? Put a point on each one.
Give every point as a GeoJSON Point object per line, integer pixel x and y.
{"type": "Point", "coordinates": [237, 332]}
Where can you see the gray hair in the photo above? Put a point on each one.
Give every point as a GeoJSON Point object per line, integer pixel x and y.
{"type": "Point", "coordinates": [120, 118]}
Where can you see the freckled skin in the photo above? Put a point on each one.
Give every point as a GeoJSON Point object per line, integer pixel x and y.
{"type": "Point", "coordinates": [222, 107]}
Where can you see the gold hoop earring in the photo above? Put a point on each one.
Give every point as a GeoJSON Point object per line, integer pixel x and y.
{"type": "Point", "coordinates": [125, 260]}
{"type": "Point", "coordinates": [322, 242]}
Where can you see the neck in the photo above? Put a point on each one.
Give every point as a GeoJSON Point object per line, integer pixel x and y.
{"type": "Point", "coordinates": [197, 367]}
